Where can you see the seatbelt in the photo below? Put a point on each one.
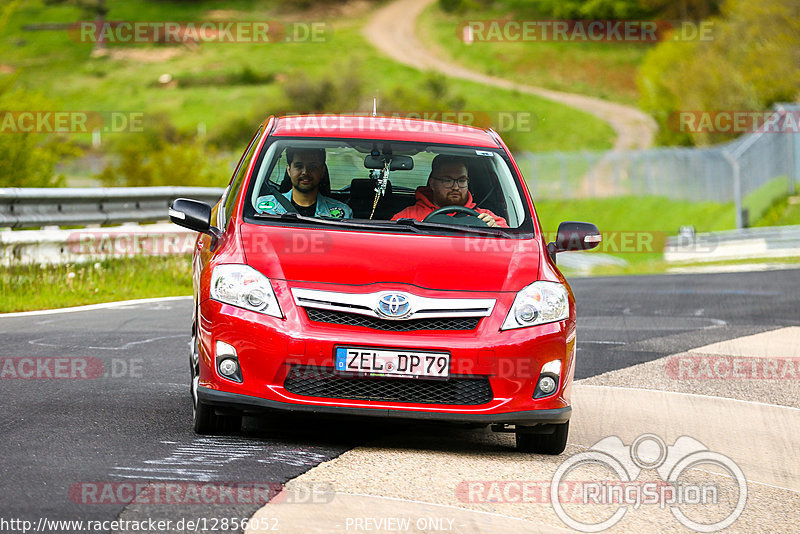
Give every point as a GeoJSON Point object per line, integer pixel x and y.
{"type": "Point", "coordinates": [282, 200]}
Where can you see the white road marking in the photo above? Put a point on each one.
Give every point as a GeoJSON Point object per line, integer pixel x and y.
{"type": "Point", "coordinates": [60, 343]}
{"type": "Point", "coordinates": [89, 307]}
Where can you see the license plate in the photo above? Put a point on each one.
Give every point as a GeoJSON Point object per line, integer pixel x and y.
{"type": "Point", "coordinates": [376, 362]}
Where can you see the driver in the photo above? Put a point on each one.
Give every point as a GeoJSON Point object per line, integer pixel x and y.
{"type": "Point", "coordinates": [448, 185]}
{"type": "Point", "coordinates": [306, 169]}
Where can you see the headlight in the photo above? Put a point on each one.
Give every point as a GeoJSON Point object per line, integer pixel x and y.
{"type": "Point", "coordinates": [243, 286]}
{"type": "Point", "coordinates": [539, 303]}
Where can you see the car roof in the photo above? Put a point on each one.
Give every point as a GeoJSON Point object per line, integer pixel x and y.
{"type": "Point", "coordinates": [384, 128]}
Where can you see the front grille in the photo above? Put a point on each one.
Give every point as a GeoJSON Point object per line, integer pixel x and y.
{"type": "Point", "coordinates": [354, 319]}
{"type": "Point", "coordinates": [324, 382]}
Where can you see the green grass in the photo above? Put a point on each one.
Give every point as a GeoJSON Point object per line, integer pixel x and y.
{"type": "Point", "coordinates": [52, 63]}
{"type": "Point", "coordinates": [627, 222]}
{"type": "Point", "coordinates": [635, 229]}
{"type": "Point", "coordinates": [759, 202]}
{"type": "Point", "coordinates": [656, 214]}
{"type": "Point", "coordinates": [784, 212]}
{"type": "Point", "coordinates": [604, 70]}
{"type": "Point", "coordinates": [33, 287]}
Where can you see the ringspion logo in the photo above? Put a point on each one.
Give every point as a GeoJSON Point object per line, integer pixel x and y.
{"type": "Point", "coordinates": [619, 488]}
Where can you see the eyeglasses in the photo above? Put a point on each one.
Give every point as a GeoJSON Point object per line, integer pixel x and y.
{"type": "Point", "coordinates": [448, 182]}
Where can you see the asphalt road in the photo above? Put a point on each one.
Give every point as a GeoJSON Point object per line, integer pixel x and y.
{"type": "Point", "coordinates": [68, 444]}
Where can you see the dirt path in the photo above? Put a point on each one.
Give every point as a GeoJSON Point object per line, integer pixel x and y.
{"type": "Point", "coordinates": [392, 31]}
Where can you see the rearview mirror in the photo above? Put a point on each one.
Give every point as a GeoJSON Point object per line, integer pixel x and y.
{"type": "Point", "coordinates": [396, 163]}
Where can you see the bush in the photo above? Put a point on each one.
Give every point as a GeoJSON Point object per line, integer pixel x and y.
{"type": "Point", "coordinates": [236, 132]}
{"type": "Point", "coordinates": [336, 92]}
{"type": "Point", "coordinates": [162, 155]}
{"type": "Point", "coordinates": [245, 76]}
{"type": "Point", "coordinates": [28, 159]}
{"type": "Point", "coordinates": [432, 96]}
{"type": "Point", "coordinates": [592, 9]}
{"type": "Point", "coordinates": [595, 9]}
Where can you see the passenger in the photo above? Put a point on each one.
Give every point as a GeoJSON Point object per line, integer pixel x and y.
{"type": "Point", "coordinates": [448, 185]}
{"type": "Point", "coordinates": [306, 169]}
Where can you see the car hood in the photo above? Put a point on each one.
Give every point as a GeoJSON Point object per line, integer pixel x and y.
{"type": "Point", "coordinates": [463, 263]}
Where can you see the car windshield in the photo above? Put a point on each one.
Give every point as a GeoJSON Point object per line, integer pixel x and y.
{"type": "Point", "coordinates": [366, 183]}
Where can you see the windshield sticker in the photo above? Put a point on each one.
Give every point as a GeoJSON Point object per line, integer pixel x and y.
{"type": "Point", "coordinates": [484, 153]}
{"type": "Point", "coordinates": [266, 205]}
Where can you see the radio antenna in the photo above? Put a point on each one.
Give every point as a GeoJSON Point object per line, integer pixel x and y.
{"type": "Point", "coordinates": [375, 106]}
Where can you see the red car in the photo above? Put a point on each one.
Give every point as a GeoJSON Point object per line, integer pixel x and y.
{"type": "Point", "coordinates": [381, 267]}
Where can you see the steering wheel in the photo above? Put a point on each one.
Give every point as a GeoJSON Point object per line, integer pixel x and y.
{"type": "Point", "coordinates": [440, 214]}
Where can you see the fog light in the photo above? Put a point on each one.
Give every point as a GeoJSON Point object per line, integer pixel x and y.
{"type": "Point", "coordinates": [228, 367]}
{"type": "Point", "coordinates": [549, 377]}
{"type": "Point", "coordinates": [547, 385]}
{"type": "Point", "coordinates": [228, 362]}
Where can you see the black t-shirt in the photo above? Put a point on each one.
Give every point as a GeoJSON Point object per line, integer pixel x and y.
{"type": "Point", "coordinates": [306, 211]}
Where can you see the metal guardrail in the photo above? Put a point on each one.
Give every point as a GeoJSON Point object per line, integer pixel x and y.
{"type": "Point", "coordinates": [747, 243]}
{"type": "Point", "coordinates": [39, 207]}
{"type": "Point", "coordinates": [57, 246]}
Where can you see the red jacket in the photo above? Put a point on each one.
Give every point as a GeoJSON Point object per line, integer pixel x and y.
{"type": "Point", "coordinates": [425, 206]}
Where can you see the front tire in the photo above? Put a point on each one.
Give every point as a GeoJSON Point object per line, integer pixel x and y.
{"type": "Point", "coordinates": [553, 443]}
{"type": "Point", "coordinates": [205, 420]}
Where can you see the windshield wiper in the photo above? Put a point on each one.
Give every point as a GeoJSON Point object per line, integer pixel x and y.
{"type": "Point", "coordinates": [494, 232]}
{"type": "Point", "coordinates": [349, 223]}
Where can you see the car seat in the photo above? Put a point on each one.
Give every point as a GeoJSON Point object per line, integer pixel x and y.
{"type": "Point", "coordinates": [362, 195]}
{"type": "Point", "coordinates": [485, 188]}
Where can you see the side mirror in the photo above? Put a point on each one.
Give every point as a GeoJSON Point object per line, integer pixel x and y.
{"type": "Point", "coordinates": [191, 214]}
{"type": "Point", "coordinates": [574, 236]}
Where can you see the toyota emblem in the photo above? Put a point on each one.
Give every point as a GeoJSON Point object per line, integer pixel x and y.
{"type": "Point", "coordinates": [394, 305]}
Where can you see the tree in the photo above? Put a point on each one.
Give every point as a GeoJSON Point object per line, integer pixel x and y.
{"type": "Point", "coordinates": [747, 65]}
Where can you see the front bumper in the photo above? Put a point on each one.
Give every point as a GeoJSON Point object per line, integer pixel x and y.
{"type": "Point", "coordinates": [268, 348]}
{"type": "Point", "coordinates": [247, 403]}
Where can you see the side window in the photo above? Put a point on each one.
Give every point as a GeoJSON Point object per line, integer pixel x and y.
{"type": "Point", "coordinates": [238, 179]}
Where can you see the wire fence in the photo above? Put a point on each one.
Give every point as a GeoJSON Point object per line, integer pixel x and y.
{"type": "Point", "coordinates": [751, 171]}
